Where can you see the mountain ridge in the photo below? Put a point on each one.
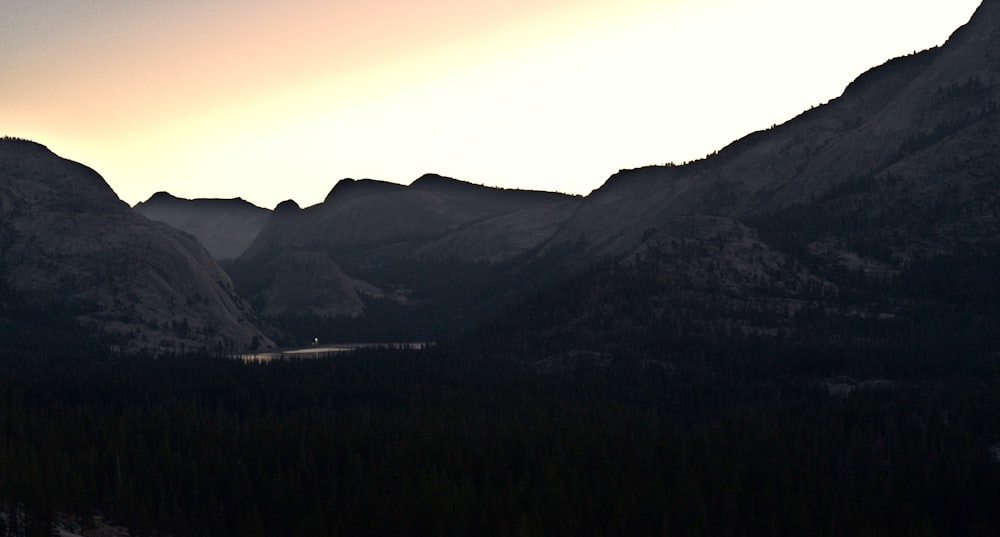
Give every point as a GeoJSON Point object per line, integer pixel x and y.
{"type": "Point", "coordinates": [70, 244]}
{"type": "Point", "coordinates": [899, 170]}
{"type": "Point", "coordinates": [391, 247]}
{"type": "Point", "coordinates": [871, 222]}
{"type": "Point", "coordinates": [226, 227]}
{"type": "Point", "coordinates": [851, 136]}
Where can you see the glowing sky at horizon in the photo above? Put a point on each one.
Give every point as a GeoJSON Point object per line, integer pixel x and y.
{"type": "Point", "coordinates": [270, 101]}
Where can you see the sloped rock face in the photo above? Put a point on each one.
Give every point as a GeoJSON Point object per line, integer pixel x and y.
{"type": "Point", "coordinates": [870, 222]}
{"type": "Point", "coordinates": [436, 245]}
{"type": "Point", "coordinates": [69, 242]}
{"type": "Point", "coordinates": [375, 216]}
{"type": "Point", "coordinates": [310, 283]}
{"type": "Point", "coordinates": [911, 114]}
{"type": "Point", "coordinates": [225, 227]}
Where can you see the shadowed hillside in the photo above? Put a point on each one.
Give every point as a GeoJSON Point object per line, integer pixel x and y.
{"type": "Point", "coordinates": [225, 227]}
{"type": "Point", "coordinates": [905, 121]}
{"type": "Point", "coordinates": [70, 246]}
{"type": "Point", "coordinates": [869, 222]}
{"type": "Point", "coordinates": [386, 261]}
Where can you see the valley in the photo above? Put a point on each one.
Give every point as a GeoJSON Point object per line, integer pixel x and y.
{"type": "Point", "coordinates": [798, 334]}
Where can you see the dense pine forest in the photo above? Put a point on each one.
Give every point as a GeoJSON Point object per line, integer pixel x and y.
{"type": "Point", "coordinates": [754, 440]}
{"type": "Point", "coordinates": [667, 393]}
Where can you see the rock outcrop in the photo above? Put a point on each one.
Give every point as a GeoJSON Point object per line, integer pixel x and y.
{"type": "Point", "coordinates": [69, 243]}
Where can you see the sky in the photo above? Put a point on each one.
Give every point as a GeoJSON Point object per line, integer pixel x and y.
{"type": "Point", "coordinates": [271, 101]}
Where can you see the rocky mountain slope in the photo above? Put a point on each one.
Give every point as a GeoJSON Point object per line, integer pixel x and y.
{"type": "Point", "coordinates": [430, 218]}
{"type": "Point", "coordinates": [71, 246]}
{"type": "Point", "coordinates": [881, 204]}
{"type": "Point", "coordinates": [901, 168]}
{"type": "Point", "coordinates": [432, 246]}
{"type": "Point", "coordinates": [225, 227]}
{"type": "Point", "coordinates": [907, 121]}
{"type": "Point", "coordinates": [873, 220]}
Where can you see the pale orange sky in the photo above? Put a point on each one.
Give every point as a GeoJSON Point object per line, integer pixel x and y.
{"type": "Point", "coordinates": [270, 101]}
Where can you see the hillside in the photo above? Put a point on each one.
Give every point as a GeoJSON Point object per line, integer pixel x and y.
{"type": "Point", "coordinates": [883, 185]}
{"type": "Point", "coordinates": [225, 227]}
{"type": "Point", "coordinates": [842, 210]}
{"type": "Point", "coordinates": [382, 260]}
{"type": "Point", "coordinates": [73, 250]}
{"type": "Point", "coordinates": [904, 121]}
{"type": "Point", "coordinates": [869, 222]}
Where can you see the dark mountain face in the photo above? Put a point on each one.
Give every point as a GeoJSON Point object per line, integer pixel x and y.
{"type": "Point", "coordinates": [225, 227]}
{"type": "Point", "coordinates": [874, 219]}
{"type": "Point", "coordinates": [439, 249]}
{"type": "Point", "coordinates": [881, 204]}
{"type": "Point", "coordinates": [898, 118]}
{"type": "Point", "coordinates": [71, 246]}
{"type": "Point", "coordinates": [900, 169]}
{"type": "Point", "coordinates": [390, 218]}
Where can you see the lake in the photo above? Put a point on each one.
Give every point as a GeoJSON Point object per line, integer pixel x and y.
{"type": "Point", "coordinates": [320, 351]}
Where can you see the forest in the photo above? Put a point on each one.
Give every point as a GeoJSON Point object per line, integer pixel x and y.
{"type": "Point", "coordinates": [750, 438]}
{"type": "Point", "coordinates": [673, 392]}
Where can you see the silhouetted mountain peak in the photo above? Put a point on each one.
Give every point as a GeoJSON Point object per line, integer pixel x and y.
{"type": "Point", "coordinates": [287, 206]}
{"type": "Point", "coordinates": [365, 187]}
{"type": "Point", "coordinates": [160, 197]}
{"type": "Point", "coordinates": [167, 199]}
{"type": "Point", "coordinates": [23, 144]}
{"type": "Point", "coordinates": [435, 182]}
{"type": "Point", "coordinates": [892, 116]}
{"type": "Point", "coordinates": [895, 69]}
{"type": "Point", "coordinates": [631, 177]}
{"type": "Point", "coordinates": [430, 178]}
{"type": "Point", "coordinates": [71, 245]}
{"type": "Point", "coordinates": [224, 226]}
{"type": "Point", "coordinates": [37, 176]}
{"type": "Point", "coordinates": [984, 24]}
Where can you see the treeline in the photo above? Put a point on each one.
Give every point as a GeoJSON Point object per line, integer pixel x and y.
{"type": "Point", "coordinates": [454, 442]}
{"type": "Point", "coordinates": [8, 138]}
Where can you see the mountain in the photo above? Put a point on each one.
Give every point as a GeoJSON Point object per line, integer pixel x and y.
{"type": "Point", "coordinates": [879, 206]}
{"type": "Point", "coordinates": [72, 249]}
{"type": "Point", "coordinates": [872, 222]}
{"type": "Point", "coordinates": [920, 121]}
{"type": "Point", "coordinates": [225, 227]}
{"type": "Point", "coordinates": [434, 254]}
{"type": "Point", "coordinates": [896, 176]}
{"type": "Point", "coordinates": [425, 220]}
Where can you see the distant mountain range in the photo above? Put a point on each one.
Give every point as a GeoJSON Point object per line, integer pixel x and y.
{"type": "Point", "coordinates": [428, 257]}
{"type": "Point", "coordinates": [225, 227]}
{"type": "Point", "coordinates": [859, 208]}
